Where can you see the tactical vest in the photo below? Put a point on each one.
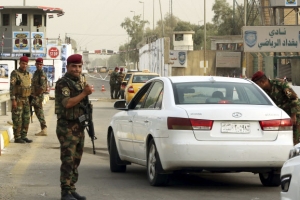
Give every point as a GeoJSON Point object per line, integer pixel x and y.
{"type": "Point", "coordinates": [36, 82]}
{"type": "Point", "coordinates": [22, 87]}
{"type": "Point", "coordinates": [70, 113]}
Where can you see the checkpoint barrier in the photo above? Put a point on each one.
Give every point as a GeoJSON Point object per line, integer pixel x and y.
{"type": "Point", "coordinates": [6, 135]}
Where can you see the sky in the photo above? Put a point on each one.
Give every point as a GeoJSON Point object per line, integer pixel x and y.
{"type": "Point", "coordinates": [95, 24]}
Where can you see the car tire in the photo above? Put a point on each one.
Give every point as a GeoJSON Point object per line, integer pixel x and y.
{"type": "Point", "coordinates": [114, 157]}
{"type": "Point", "coordinates": [270, 179]}
{"type": "Point", "coordinates": [154, 167]}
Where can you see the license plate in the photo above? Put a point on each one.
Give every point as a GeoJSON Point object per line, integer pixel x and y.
{"type": "Point", "coordinates": [235, 128]}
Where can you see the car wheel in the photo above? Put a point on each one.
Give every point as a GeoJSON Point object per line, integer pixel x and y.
{"type": "Point", "coordinates": [114, 157]}
{"type": "Point", "coordinates": [270, 179]}
{"type": "Point", "coordinates": [154, 168]}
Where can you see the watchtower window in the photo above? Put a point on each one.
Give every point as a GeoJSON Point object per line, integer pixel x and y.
{"type": "Point", "coordinates": [178, 37]}
{"type": "Point", "coordinates": [21, 19]}
{"type": "Point", "coordinates": [5, 19]}
{"type": "Point", "coordinates": [37, 20]}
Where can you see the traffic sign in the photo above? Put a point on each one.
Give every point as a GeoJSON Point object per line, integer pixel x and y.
{"type": "Point", "coordinates": [53, 52]}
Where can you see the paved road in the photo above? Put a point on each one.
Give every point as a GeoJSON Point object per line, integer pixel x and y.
{"type": "Point", "coordinates": [31, 171]}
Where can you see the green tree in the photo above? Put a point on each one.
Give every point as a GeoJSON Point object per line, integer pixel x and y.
{"type": "Point", "coordinates": [135, 30]}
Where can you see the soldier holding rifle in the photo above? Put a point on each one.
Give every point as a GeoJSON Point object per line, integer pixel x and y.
{"type": "Point", "coordinates": [70, 94]}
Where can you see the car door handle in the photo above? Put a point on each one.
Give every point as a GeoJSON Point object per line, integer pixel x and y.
{"type": "Point", "coordinates": [146, 121]}
{"type": "Point", "coordinates": [130, 120]}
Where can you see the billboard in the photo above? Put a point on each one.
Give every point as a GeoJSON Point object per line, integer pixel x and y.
{"type": "Point", "coordinates": [21, 41]}
{"type": "Point", "coordinates": [37, 42]}
{"type": "Point", "coordinates": [228, 59]}
{"type": "Point", "coordinates": [178, 58]}
{"type": "Point", "coordinates": [271, 38]}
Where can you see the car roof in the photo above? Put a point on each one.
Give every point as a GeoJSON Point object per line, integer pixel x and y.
{"type": "Point", "coordinates": [144, 73]}
{"type": "Point", "coordinates": [180, 79]}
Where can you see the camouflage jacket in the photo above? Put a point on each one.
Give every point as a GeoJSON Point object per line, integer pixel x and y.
{"type": "Point", "coordinates": [113, 78]}
{"type": "Point", "coordinates": [68, 87]}
{"type": "Point", "coordinates": [19, 84]}
{"type": "Point", "coordinates": [120, 77]}
{"type": "Point", "coordinates": [38, 83]}
{"type": "Point", "coordinates": [284, 96]}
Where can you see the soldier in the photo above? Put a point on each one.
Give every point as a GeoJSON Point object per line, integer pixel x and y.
{"type": "Point", "coordinates": [120, 79]}
{"type": "Point", "coordinates": [284, 97]}
{"type": "Point", "coordinates": [112, 82]}
{"type": "Point", "coordinates": [38, 87]}
{"type": "Point", "coordinates": [70, 92]}
{"type": "Point", "coordinates": [19, 95]}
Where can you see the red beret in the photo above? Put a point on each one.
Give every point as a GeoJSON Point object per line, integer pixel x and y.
{"type": "Point", "coordinates": [75, 59]}
{"type": "Point", "coordinates": [116, 68]}
{"type": "Point", "coordinates": [39, 60]}
{"type": "Point", "coordinates": [121, 69]}
{"type": "Point", "coordinates": [24, 59]}
{"type": "Point", "coordinates": [257, 76]}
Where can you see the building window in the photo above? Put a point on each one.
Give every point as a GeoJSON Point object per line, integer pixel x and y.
{"type": "Point", "coordinates": [21, 19]}
{"type": "Point", "coordinates": [5, 19]}
{"type": "Point", "coordinates": [37, 20]}
{"type": "Point", "coordinates": [178, 37]}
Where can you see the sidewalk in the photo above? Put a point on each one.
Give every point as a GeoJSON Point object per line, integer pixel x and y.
{"type": "Point", "coordinates": [6, 131]}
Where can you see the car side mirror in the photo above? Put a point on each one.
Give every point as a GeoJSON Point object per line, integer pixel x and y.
{"type": "Point", "coordinates": [120, 104]}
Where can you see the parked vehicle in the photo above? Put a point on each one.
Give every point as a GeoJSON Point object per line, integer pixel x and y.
{"type": "Point", "coordinates": [135, 81]}
{"type": "Point", "coordinates": [195, 123]}
{"type": "Point", "coordinates": [290, 175]}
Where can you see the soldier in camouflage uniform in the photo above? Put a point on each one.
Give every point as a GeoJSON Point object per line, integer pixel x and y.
{"type": "Point", "coordinates": [120, 79]}
{"type": "Point", "coordinates": [284, 97]}
{"type": "Point", "coordinates": [19, 95]}
{"type": "Point", "coordinates": [70, 92]}
{"type": "Point", "coordinates": [112, 82]}
{"type": "Point", "coordinates": [38, 87]}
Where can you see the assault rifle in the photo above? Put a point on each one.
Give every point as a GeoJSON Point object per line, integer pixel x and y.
{"type": "Point", "coordinates": [30, 106]}
{"type": "Point", "coordinates": [87, 120]}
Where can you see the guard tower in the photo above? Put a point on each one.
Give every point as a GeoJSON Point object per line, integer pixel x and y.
{"type": "Point", "coordinates": [23, 30]}
{"type": "Point", "coordinates": [183, 40]}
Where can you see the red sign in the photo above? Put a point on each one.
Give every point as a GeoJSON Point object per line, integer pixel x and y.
{"type": "Point", "coordinates": [53, 52]}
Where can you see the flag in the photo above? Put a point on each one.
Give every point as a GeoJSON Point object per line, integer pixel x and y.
{"type": "Point", "coordinates": [50, 16]}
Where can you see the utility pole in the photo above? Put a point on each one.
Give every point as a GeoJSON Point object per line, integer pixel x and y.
{"type": "Point", "coordinates": [205, 37]}
{"type": "Point", "coordinates": [24, 2]}
{"type": "Point", "coordinates": [153, 15]}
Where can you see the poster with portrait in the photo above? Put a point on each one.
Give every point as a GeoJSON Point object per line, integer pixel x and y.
{"type": "Point", "coordinates": [6, 67]}
{"type": "Point", "coordinates": [21, 41]}
{"type": "Point", "coordinates": [37, 42]}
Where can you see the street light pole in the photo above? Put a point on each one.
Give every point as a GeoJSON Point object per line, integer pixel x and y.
{"type": "Point", "coordinates": [133, 13]}
{"type": "Point", "coordinates": [143, 8]}
{"type": "Point", "coordinates": [153, 15]}
{"type": "Point", "coordinates": [204, 37]}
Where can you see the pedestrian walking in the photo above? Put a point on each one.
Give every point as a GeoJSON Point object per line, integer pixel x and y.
{"type": "Point", "coordinates": [20, 91]}
{"type": "Point", "coordinates": [113, 82]}
{"type": "Point", "coordinates": [38, 87]}
{"type": "Point", "coordinates": [284, 97]}
{"type": "Point", "coordinates": [70, 92]}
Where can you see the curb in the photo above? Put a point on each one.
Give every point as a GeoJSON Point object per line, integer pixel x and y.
{"type": "Point", "coordinates": [6, 135]}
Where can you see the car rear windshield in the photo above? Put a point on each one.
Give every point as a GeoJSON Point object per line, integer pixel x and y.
{"type": "Point", "coordinates": [219, 93]}
{"type": "Point", "coordinates": [142, 78]}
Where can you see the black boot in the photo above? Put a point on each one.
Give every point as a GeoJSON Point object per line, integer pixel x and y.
{"type": "Point", "coordinates": [67, 196]}
{"type": "Point", "coordinates": [20, 141]}
{"type": "Point", "coordinates": [77, 196]}
{"type": "Point", "coordinates": [27, 140]}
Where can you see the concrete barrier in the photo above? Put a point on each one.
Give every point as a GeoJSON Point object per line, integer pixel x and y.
{"type": "Point", "coordinates": [6, 135]}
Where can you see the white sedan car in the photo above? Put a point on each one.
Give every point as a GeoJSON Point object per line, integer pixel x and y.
{"type": "Point", "coordinates": [195, 123]}
{"type": "Point", "coordinates": [290, 176]}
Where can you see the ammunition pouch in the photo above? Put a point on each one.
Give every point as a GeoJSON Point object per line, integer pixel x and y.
{"type": "Point", "coordinates": [23, 91]}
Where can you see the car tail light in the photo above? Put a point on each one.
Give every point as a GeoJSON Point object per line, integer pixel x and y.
{"type": "Point", "coordinates": [276, 125]}
{"type": "Point", "coordinates": [177, 123]}
{"type": "Point", "coordinates": [130, 89]}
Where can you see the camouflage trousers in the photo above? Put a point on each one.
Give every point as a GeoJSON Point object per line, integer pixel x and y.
{"type": "Point", "coordinates": [71, 138]}
{"type": "Point", "coordinates": [20, 117]}
{"type": "Point", "coordinates": [112, 90]}
{"type": "Point", "coordinates": [296, 131]}
{"type": "Point", "coordinates": [37, 103]}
